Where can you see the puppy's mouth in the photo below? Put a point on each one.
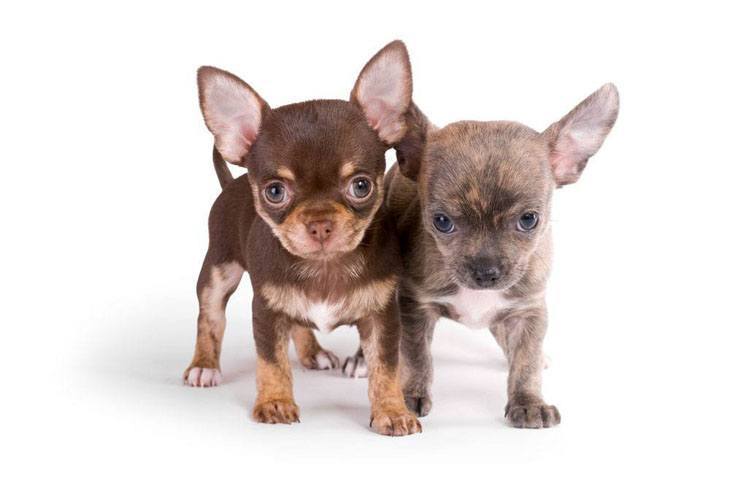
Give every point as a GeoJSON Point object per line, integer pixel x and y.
{"type": "Point", "coordinates": [469, 283]}
{"type": "Point", "coordinates": [320, 230]}
{"type": "Point", "coordinates": [313, 246]}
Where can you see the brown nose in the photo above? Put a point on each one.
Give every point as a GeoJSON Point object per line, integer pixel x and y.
{"type": "Point", "coordinates": [320, 229]}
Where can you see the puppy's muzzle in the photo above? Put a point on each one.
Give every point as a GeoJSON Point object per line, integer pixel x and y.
{"type": "Point", "coordinates": [484, 275]}
{"type": "Point", "coordinates": [320, 230]}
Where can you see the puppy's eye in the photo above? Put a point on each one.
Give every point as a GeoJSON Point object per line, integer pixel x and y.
{"type": "Point", "coordinates": [443, 224]}
{"type": "Point", "coordinates": [275, 192]}
{"type": "Point", "coordinates": [528, 221]}
{"type": "Point", "coordinates": [360, 188]}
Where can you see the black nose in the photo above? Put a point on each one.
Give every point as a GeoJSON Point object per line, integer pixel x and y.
{"type": "Point", "coordinates": [485, 275]}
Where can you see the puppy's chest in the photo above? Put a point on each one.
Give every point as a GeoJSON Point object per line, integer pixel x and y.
{"type": "Point", "coordinates": [474, 308]}
{"type": "Point", "coordinates": [325, 310]}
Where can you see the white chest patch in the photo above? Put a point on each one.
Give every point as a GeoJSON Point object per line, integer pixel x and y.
{"type": "Point", "coordinates": [475, 308]}
{"type": "Point", "coordinates": [326, 313]}
{"type": "Point", "coordinates": [323, 315]}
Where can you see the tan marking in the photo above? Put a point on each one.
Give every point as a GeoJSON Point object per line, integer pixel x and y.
{"type": "Point", "coordinates": [285, 173]}
{"type": "Point", "coordinates": [326, 312]}
{"type": "Point", "coordinates": [259, 210]}
{"type": "Point", "coordinates": [273, 381]}
{"type": "Point", "coordinates": [275, 398]}
{"type": "Point", "coordinates": [347, 169]}
{"type": "Point", "coordinates": [310, 352]}
{"type": "Point", "coordinates": [475, 199]}
{"type": "Point", "coordinates": [364, 224]}
{"type": "Point", "coordinates": [389, 414]}
{"type": "Point", "coordinates": [223, 280]}
{"type": "Point", "coordinates": [305, 342]}
{"type": "Point", "coordinates": [264, 216]}
{"type": "Point", "coordinates": [292, 233]}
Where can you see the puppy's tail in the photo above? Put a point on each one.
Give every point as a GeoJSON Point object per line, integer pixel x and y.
{"type": "Point", "coordinates": [221, 169]}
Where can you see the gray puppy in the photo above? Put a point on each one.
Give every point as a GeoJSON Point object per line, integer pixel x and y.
{"type": "Point", "coordinates": [472, 206]}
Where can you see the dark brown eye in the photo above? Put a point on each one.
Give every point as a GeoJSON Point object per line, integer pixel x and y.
{"type": "Point", "coordinates": [275, 192]}
{"type": "Point", "coordinates": [360, 188]}
{"type": "Point", "coordinates": [528, 221]}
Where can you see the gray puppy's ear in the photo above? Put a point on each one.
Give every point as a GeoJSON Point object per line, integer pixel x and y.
{"type": "Point", "coordinates": [410, 149]}
{"type": "Point", "coordinates": [232, 110]}
{"type": "Point", "coordinates": [580, 133]}
{"type": "Point", "coordinates": [383, 91]}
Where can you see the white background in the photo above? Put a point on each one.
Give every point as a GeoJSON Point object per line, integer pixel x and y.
{"type": "Point", "coordinates": [106, 184]}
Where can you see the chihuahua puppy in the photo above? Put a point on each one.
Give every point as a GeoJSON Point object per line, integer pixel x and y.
{"type": "Point", "coordinates": [306, 222]}
{"type": "Point", "coordinates": [472, 206]}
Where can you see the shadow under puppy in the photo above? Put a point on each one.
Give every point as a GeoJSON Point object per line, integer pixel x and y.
{"type": "Point", "coordinates": [472, 206]}
{"type": "Point", "coordinates": [306, 222]}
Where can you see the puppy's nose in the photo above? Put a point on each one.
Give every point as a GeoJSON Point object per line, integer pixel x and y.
{"type": "Point", "coordinates": [320, 229]}
{"type": "Point", "coordinates": [485, 275]}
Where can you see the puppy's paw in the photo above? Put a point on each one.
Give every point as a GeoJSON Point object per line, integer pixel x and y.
{"type": "Point", "coordinates": [532, 415]}
{"type": "Point", "coordinates": [202, 377]}
{"type": "Point", "coordinates": [355, 367]}
{"type": "Point", "coordinates": [395, 422]}
{"type": "Point", "coordinates": [421, 405]}
{"type": "Point", "coordinates": [322, 359]}
{"type": "Point", "coordinates": [278, 411]}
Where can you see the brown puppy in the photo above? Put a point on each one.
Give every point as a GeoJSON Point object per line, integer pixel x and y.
{"type": "Point", "coordinates": [307, 224]}
{"type": "Point", "coordinates": [472, 205]}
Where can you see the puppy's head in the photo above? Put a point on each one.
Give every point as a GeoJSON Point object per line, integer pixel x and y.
{"type": "Point", "coordinates": [486, 187]}
{"type": "Point", "coordinates": [315, 168]}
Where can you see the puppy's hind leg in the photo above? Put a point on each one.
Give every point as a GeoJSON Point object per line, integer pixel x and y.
{"type": "Point", "coordinates": [355, 365]}
{"type": "Point", "coordinates": [310, 352]}
{"type": "Point", "coordinates": [216, 283]}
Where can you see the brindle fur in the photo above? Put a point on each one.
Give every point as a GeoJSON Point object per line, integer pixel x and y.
{"type": "Point", "coordinates": [485, 175]}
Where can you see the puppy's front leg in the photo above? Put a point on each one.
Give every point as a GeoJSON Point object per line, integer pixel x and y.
{"type": "Point", "coordinates": [379, 337]}
{"type": "Point", "coordinates": [521, 335]}
{"type": "Point", "coordinates": [417, 365]}
{"type": "Point", "coordinates": [275, 398]}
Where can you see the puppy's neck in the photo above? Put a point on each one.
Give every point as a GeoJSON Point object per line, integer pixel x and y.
{"type": "Point", "coordinates": [347, 267]}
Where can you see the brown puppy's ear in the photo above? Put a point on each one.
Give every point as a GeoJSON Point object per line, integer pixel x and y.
{"type": "Point", "coordinates": [576, 137]}
{"type": "Point", "coordinates": [409, 150]}
{"type": "Point", "coordinates": [383, 91]}
{"type": "Point", "coordinates": [232, 110]}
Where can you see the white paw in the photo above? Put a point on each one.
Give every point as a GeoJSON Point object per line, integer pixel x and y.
{"type": "Point", "coordinates": [327, 360]}
{"type": "Point", "coordinates": [355, 367]}
{"type": "Point", "coordinates": [546, 361]}
{"type": "Point", "coordinates": [203, 377]}
{"type": "Point", "coordinates": [323, 359]}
